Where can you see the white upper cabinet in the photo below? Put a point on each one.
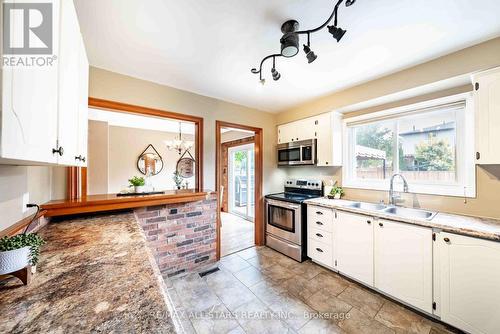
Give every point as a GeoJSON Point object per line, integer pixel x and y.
{"type": "Point", "coordinates": [29, 106]}
{"type": "Point", "coordinates": [469, 283]}
{"type": "Point", "coordinates": [68, 84]}
{"type": "Point", "coordinates": [328, 131]}
{"type": "Point", "coordinates": [403, 262]}
{"type": "Point", "coordinates": [354, 246]}
{"type": "Point", "coordinates": [42, 115]}
{"type": "Point", "coordinates": [487, 112]}
{"type": "Point", "coordinates": [83, 106]}
{"type": "Point", "coordinates": [325, 128]}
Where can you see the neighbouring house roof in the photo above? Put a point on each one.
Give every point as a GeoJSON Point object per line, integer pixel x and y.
{"type": "Point", "coordinates": [436, 128]}
{"type": "Point", "coordinates": [369, 153]}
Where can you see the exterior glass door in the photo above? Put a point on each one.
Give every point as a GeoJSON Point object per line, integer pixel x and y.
{"type": "Point", "coordinates": [241, 168]}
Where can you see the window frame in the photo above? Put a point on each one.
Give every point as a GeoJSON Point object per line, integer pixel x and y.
{"type": "Point", "coordinates": [465, 185]}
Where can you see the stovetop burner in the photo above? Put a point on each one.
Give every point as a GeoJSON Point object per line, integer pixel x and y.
{"type": "Point", "coordinates": [291, 197]}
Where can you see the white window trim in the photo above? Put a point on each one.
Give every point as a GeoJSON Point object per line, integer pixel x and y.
{"type": "Point", "coordinates": [466, 168]}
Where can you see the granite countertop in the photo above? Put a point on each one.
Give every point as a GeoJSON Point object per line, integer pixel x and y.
{"type": "Point", "coordinates": [95, 274]}
{"type": "Point", "coordinates": [484, 228]}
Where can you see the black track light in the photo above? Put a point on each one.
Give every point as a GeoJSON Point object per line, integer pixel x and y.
{"type": "Point", "coordinates": [336, 32]}
{"type": "Point", "coordinates": [276, 75]}
{"type": "Point", "coordinates": [309, 54]}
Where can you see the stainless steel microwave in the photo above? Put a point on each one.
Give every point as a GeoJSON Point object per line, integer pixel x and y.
{"type": "Point", "coordinates": [297, 153]}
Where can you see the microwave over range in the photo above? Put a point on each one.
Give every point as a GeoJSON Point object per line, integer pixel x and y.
{"type": "Point", "coordinates": [297, 153]}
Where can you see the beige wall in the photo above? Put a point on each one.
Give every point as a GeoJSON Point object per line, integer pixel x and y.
{"type": "Point", "coordinates": [234, 135]}
{"type": "Point", "coordinates": [16, 181]}
{"type": "Point", "coordinates": [126, 145]}
{"type": "Point", "coordinates": [117, 87]}
{"type": "Point", "coordinates": [98, 157]}
{"type": "Point", "coordinates": [479, 57]}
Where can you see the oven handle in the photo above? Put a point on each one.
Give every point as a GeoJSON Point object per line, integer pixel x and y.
{"type": "Point", "coordinates": [282, 204]}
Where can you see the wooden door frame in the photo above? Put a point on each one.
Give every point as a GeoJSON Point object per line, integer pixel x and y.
{"type": "Point", "coordinates": [258, 183]}
{"type": "Point", "coordinates": [74, 177]}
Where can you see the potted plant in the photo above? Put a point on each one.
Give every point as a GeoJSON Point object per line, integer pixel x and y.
{"type": "Point", "coordinates": [19, 251]}
{"type": "Point", "coordinates": [177, 179]}
{"type": "Point", "coordinates": [336, 192]}
{"type": "Point", "coordinates": [138, 184]}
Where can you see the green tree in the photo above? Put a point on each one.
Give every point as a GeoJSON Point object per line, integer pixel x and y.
{"type": "Point", "coordinates": [434, 155]}
{"type": "Point", "coordinates": [378, 137]}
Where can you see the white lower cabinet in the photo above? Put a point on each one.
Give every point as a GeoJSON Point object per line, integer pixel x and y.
{"type": "Point", "coordinates": [403, 262]}
{"type": "Point", "coordinates": [320, 231]}
{"type": "Point", "coordinates": [469, 283]}
{"type": "Point", "coordinates": [354, 246]}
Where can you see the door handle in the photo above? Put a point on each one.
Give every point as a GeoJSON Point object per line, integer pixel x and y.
{"type": "Point", "coordinates": [319, 223]}
{"type": "Point", "coordinates": [368, 222]}
{"type": "Point", "coordinates": [446, 240]}
{"type": "Point", "coordinates": [59, 151]}
{"type": "Point", "coordinates": [319, 213]}
{"type": "Point", "coordinates": [319, 235]}
{"type": "Point", "coordinates": [380, 224]}
{"type": "Point", "coordinates": [319, 250]}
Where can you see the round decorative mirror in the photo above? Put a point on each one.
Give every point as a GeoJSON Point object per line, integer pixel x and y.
{"type": "Point", "coordinates": [150, 161]}
{"type": "Point", "coordinates": [185, 166]}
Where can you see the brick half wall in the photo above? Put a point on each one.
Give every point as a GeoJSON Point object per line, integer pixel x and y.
{"type": "Point", "coordinates": [182, 237]}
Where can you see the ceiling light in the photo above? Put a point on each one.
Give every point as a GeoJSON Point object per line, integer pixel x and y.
{"type": "Point", "coordinates": [276, 75]}
{"type": "Point", "coordinates": [178, 144]}
{"type": "Point", "coordinates": [336, 32]}
{"type": "Point", "coordinates": [290, 40]}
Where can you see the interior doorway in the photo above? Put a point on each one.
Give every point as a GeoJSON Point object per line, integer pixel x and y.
{"type": "Point", "coordinates": [239, 183]}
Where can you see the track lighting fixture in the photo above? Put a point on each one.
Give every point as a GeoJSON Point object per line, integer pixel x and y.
{"type": "Point", "coordinates": [276, 75]}
{"type": "Point", "coordinates": [309, 53]}
{"type": "Point", "coordinates": [336, 32]}
{"type": "Point", "coordinates": [290, 40]}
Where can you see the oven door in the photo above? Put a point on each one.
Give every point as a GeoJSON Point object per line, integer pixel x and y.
{"type": "Point", "coordinates": [283, 220]}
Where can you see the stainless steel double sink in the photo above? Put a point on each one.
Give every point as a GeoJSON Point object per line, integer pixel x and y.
{"type": "Point", "coordinates": [393, 210]}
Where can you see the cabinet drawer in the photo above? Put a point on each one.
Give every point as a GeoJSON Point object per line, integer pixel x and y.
{"type": "Point", "coordinates": [320, 235]}
{"type": "Point", "coordinates": [320, 218]}
{"type": "Point", "coordinates": [320, 252]}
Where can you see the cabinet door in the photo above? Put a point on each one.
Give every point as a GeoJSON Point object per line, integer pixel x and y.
{"type": "Point", "coordinates": [29, 107]}
{"type": "Point", "coordinates": [487, 107]}
{"type": "Point", "coordinates": [285, 133]}
{"type": "Point", "coordinates": [403, 262]}
{"type": "Point", "coordinates": [470, 283]}
{"type": "Point", "coordinates": [68, 84]}
{"type": "Point", "coordinates": [354, 246]}
{"type": "Point", "coordinates": [83, 111]}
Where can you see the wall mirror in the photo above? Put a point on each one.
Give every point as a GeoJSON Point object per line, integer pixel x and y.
{"type": "Point", "coordinates": [185, 165]}
{"type": "Point", "coordinates": [150, 161]}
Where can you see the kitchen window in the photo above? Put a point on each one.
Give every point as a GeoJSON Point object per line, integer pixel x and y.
{"type": "Point", "coordinates": [431, 144]}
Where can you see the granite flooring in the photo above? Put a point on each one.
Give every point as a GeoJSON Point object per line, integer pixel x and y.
{"type": "Point", "coordinates": [259, 290]}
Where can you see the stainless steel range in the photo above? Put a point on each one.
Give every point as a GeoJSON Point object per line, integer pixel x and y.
{"type": "Point", "coordinates": [286, 217]}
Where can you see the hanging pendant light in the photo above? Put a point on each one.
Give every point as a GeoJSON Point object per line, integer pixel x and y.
{"type": "Point", "coordinates": [178, 144]}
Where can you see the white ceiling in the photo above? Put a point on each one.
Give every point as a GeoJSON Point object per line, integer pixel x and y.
{"type": "Point", "coordinates": [209, 46]}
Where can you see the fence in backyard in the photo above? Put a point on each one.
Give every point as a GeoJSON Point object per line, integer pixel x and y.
{"type": "Point", "coordinates": [378, 173]}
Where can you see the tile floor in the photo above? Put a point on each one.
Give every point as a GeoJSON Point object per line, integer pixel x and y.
{"type": "Point", "coordinates": [259, 290]}
{"type": "Point", "coordinates": [236, 234]}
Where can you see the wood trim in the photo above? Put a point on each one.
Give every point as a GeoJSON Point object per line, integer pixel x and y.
{"type": "Point", "coordinates": [73, 187]}
{"type": "Point", "coordinates": [111, 202]}
{"type": "Point", "coordinates": [83, 180]}
{"type": "Point", "coordinates": [72, 184]}
{"type": "Point", "coordinates": [21, 225]}
{"type": "Point", "coordinates": [134, 109]}
{"type": "Point", "coordinates": [259, 203]}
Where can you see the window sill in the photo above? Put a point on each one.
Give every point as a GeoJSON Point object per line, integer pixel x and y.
{"type": "Point", "coordinates": [425, 189]}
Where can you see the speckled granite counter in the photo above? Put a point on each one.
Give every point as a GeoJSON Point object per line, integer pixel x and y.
{"type": "Point", "coordinates": [472, 226]}
{"type": "Point", "coordinates": [95, 275]}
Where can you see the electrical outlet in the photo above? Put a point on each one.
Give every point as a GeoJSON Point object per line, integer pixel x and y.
{"type": "Point", "coordinates": [26, 201]}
